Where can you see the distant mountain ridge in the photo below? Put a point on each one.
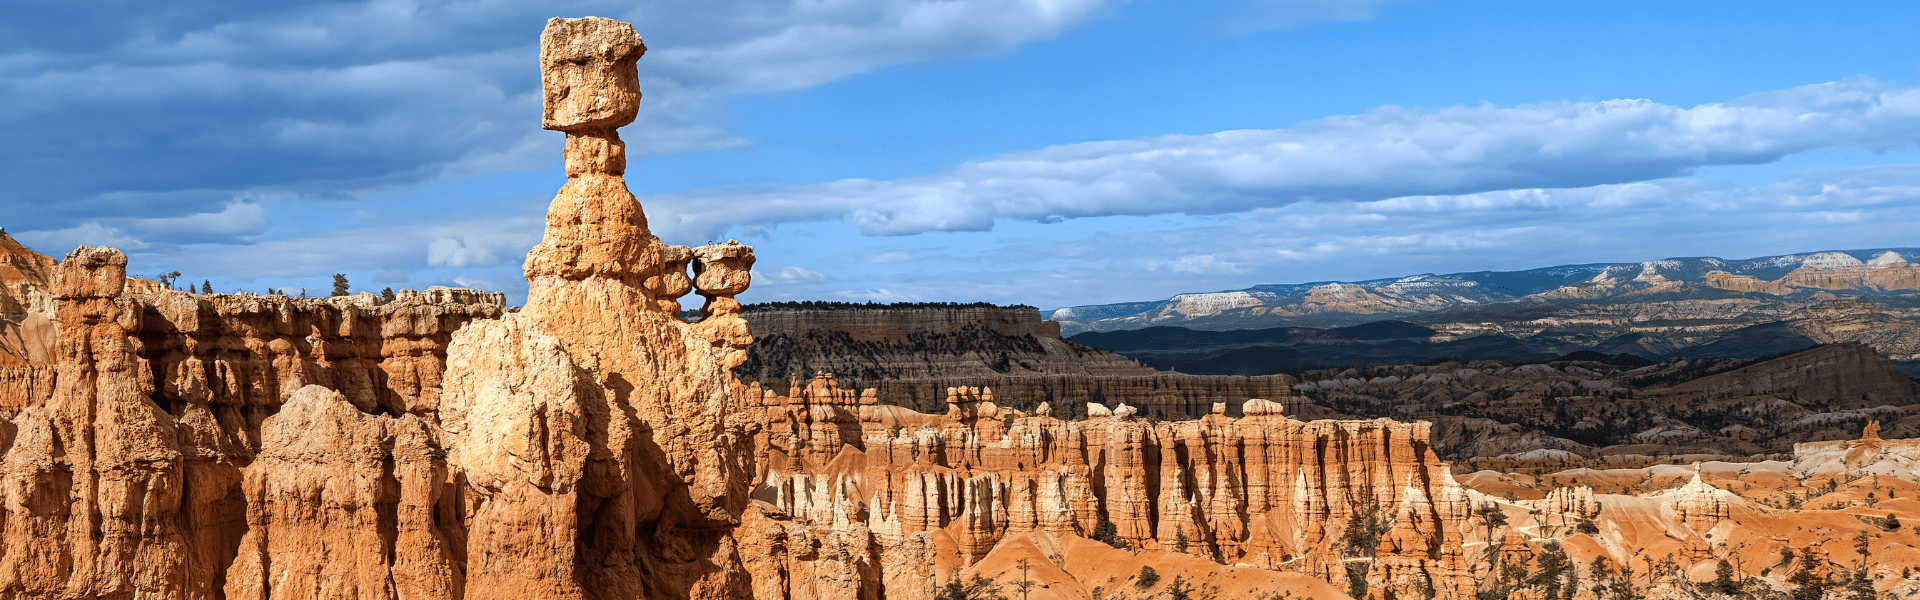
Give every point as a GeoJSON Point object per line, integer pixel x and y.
{"type": "Point", "coordinates": [1791, 277]}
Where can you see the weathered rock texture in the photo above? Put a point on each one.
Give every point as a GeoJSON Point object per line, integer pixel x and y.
{"type": "Point", "coordinates": [166, 453]}
{"type": "Point", "coordinates": [169, 445]}
{"type": "Point", "coordinates": [910, 354]}
{"type": "Point", "coordinates": [891, 489]}
{"type": "Point", "coordinates": [175, 445]}
{"type": "Point", "coordinates": [1837, 515]}
{"type": "Point", "coordinates": [26, 305]}
{"type": "Point", "coordinates": [601, 437]}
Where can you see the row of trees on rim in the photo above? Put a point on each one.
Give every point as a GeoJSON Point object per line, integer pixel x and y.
{"type": "Point", "coordinates": [341, 287]}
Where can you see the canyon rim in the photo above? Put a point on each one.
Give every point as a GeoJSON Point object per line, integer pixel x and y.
{"type": "Point", "coordinates": [593, 444]}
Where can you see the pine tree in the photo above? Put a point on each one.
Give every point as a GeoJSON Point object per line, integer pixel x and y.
{"type": "Point", "coordinates": [340, 284]}
{"type": "Point", "coordinates": [1146, 578]}
{"type": "Point", "coordinates": [1807, 585]}
{"type": "Point", "coordinates": [1024, 585]}
{"type": "Point", "coordinates": [206, 287]}
{"type": "Point", "coordinates": [978, 588]}
{"type": "Point", "coordinates": [1107, 533]}
{"type": "Point", "coordinates": [1723, 577]}
{"type": "Point", "coordinates": [1491, 514]}
{"type": "Point", "coordinates": [386, 295]}
{"type": "Point", "coordinates": [1177, 590]}
{"type": "Point", "coordinates": [1860, 586]}
{"type": "Point", "coordinates": [1553, 565]}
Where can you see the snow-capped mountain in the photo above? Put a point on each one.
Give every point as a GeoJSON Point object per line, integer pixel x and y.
{"type": "Point", "coordinates": [1883, 271]}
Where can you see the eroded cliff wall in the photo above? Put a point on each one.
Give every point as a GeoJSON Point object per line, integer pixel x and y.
{"type": "Point", "coordinates": [911, 355]}
{"type": "Point", "coordinates": [887, 488]}
{"type": "Point", "coordinates": [26, 304]}
{"type": "Point", "coordinates": [175, 445]}
{"type": "Point", "coordinates": [594, 445]}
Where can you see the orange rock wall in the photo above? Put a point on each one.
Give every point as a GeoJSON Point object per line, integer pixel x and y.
{"type": "Point", "coordinates": [1263, 489]}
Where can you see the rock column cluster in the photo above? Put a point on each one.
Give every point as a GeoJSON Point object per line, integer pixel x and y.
{"type": "Point", "coordinates": [178, 445]}
{"type": "Point", "coordinates": [595, 445]}
{"type": "Point", "coordinates": [1264, 490]}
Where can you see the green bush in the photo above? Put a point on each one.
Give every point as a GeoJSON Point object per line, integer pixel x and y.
{"type": "Point", "coordinates": [1146, 578]}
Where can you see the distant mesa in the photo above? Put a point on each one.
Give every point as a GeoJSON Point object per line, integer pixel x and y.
{"type": "Point", "coordinates": [1883, 272]}
{"type": "Point", "coordinates": [158, 443]}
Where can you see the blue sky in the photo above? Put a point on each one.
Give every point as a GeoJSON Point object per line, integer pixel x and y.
{"type": "Point", "coordinates": [1047, 152]}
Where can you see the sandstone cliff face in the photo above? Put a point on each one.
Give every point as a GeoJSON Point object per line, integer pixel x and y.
{"type": "Point", "coordinates": [910, 356]}
{"type": "Point", "coordinates": [885, 486]}
{"type": "Point", "coordinates": [604, 434]}
{"type": "Point", "coordinates": [593, 445]}
{"type": "Point", "coordinates": [26, 305]}
{"type": "Point", "coordinates": [1837, 515]}
{"type": "Point", "coordinates": [166, 453]}
{"type": "Point", "coordinates": [175, 445]}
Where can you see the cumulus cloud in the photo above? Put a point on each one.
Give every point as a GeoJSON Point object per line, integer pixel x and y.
{"type": "Point", "coordinates": [479, 248]}
{"type": "Point", "coordinates": [1389, 152]}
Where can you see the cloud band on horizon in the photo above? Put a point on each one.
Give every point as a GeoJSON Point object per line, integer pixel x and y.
{"type": "Point", "coordinates": [1383, 153]}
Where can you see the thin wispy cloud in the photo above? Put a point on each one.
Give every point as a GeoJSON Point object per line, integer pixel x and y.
{"type": "Point", "coordinates": [1387, 152]}
{"type": "Point", "coordinates": [1499, 230]}
{"type": "Point", "coordinates": [327, 100]}
{"type": "Point", "coordinates": [937, 149]}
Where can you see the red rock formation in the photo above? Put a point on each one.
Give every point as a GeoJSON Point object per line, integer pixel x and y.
{"type": "Point", "coordinates": [590, 445]}
{"type": "Point", "coordinates": [138, 453]}
{"type": "Point", "coordinates": [26, 306]}
{"type": "Point", "coordinates": [602, 433]}
{"type": "Point", "coordinates": [1264, 489]}
{"type": "Point", "coordinates": [593, 445]}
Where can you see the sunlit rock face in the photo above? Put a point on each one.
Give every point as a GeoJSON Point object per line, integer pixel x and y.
{"type": "Point", "coordinates": [1262, 490]}
{"type": "Point", "coordinates": [166, 444]}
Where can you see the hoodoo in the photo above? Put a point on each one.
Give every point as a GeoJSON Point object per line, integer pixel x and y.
{"type": "Point", "coordinates": [591, 445]}
{"type": "Point", "coordinates": [163, 444]}
{"type": "Point", "coordinates": [601, 436]}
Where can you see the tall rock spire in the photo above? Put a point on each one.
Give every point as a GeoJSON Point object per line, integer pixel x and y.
{"type": "Point", "coordinates": [609, 432]}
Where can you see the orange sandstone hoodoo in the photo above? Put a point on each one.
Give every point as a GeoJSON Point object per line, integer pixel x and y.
{"type": "Point", "coordinates": [170, 445]}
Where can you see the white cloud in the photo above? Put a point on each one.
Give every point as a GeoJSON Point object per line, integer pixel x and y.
{"type": "Point", "coordinates": [1196, 264]}
{"type": "Point", "coordinates": [479, 248]}
{"type": "Point", "coordinates": [1121, 259]}
{"type": "Point", "coordinates": [1389, 152]}
{"type": "Point", "coordinates": [57, 242]}
{"type": "Point", "coordinates": [334, 99]}
{"type": "Point", "coordinates": [238, 222]}
{"type": "Point", "coordinates": [793, 275]}
{"type": "Point", "coordinates": [876, 295]}
{"type": "Point", "coordinates": [770, 46]}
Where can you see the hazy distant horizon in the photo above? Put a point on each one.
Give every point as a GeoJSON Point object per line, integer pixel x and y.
{"type": "Point", "coordinates": [1043, 152]}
